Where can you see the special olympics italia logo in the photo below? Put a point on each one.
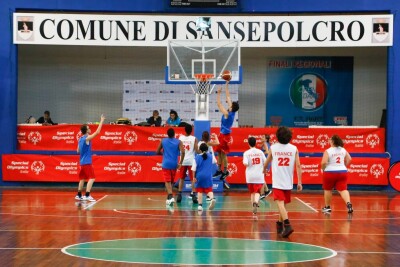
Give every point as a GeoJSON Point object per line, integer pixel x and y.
{"type": "Point", "coordinates": [35, 137]}
{"type": "Point", "coordinates": [37, 167]}
{"type": "Point", "coordinates": [377, 170]}
{"type": "Point", "coordinates": [323, 140]}
{"type": "Point", "coordinates": [232, 168]}
{"type": "Point", "coordinates": [130, 137]}
{"type": "Point", "coordinates": [372, 140]}
{"type": "Point", "coordinates": [273, 139]}
{"type": "Point", "coordinates": [134, 168]}
{"type": "Point", "coordinates": [308, 91]}
{"type": "Point", "coordinates": [78, 135]}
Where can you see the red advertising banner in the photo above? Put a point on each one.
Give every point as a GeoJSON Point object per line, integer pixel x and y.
{"type": "Point", "coordinates": [314, 140]}
{"type": "Point", "coordinates": [112, 137]}
{"type": "Point", "coordinates": [147, 169]}
{"type": "Point", "coordinates": [136, 138]}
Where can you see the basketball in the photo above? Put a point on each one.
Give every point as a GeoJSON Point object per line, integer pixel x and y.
{"type": "Point", "coordinates": [226, 75]}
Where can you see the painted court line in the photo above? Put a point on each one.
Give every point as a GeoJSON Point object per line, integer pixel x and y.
{"type": "Point", "coordinates": [306, 204]}
{"type": "Point", "coordinates": [93, 203]}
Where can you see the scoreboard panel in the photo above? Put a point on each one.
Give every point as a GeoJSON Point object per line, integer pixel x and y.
{"type": "Point", "coordinates": [203, 3]}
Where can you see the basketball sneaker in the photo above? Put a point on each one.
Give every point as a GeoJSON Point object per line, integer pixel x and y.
{"type": "Point", "coordinates": [265, 194]}
{"type": "Point", "coordinates": [226, 184]}
{"type": "Point", "coordinates": [200, 208]}
{"type": "Point", "coordinates": [170, 201]}
{"type": "Point", "coordinates": [191, 194]}
{"type": "Point", "coordinates": [208, 198]}
{"type": "Point", "coordinates": [212, 204]}
{"type": "Point", "coordinates": [179, 198]}
{"type": "Point", "coordinates": [88, 198]}
{"type": "Point", "coordinates": [195, 200]}
{"type": "Point", "coordinates": [349, 207]}
{"type": "Point", "coordinates": [78, 197]}
{"type": "Point", "coordinates": [287, 231]}
{"type": "Point", "coordinates": [217, 173]}
{"type": "Point", "coordinates": [224, 175]}
{"type": "Point", "coordinates": [279, 227]}
{"type": "Point", "coordinates": [326, 209]}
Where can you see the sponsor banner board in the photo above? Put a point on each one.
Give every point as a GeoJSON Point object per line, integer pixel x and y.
{"type": "Point", "coordinates": [136, 138]}
{"type": "Point", "coordinates": [147, 169]}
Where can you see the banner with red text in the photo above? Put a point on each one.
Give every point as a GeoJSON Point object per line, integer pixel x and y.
{"type": "Point", "coordinates": [316, 140]}
{"type": "Point", "coordinates": [112, 137]}
{"type": "Point", "coordinates": [136, 138]}
{"type": "Point", "coordinates": [147, 169]}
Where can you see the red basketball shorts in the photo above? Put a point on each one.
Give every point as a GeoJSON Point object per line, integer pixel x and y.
{"type": "Point", "coordinates": [337, 180]}
{"type": "Point", "coordinates": [282, 195]}
{"type": "Point", "coordinates": [86, 172]}
{"type": "Point", "coordinates": [169, 175]}
{"type": "Point", "coordinates": [224, 141]}
{"type": "Point", "coordinates": [183, 170]}
{"type": "Point", "coordinates": [255, 188]}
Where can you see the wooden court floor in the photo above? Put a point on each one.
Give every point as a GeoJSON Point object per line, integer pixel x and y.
{"type": "Point", "coordinates": [133, 227]}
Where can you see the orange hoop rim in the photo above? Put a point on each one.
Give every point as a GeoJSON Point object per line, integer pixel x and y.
{"type": "Point", "coordinates": [203, 76]}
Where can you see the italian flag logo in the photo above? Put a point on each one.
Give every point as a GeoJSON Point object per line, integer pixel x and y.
{"type": "Point", "coordinates": [308, 91]}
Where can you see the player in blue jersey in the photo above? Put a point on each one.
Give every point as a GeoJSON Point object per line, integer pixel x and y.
{"type": "Point", "coordinates": [228, 117]}
{"type": "Point", "coordinates": [202, 173]}
{"type": "Point", "coordinates": [84, 150]}
{"type": "Point", "coordinates": [170, 148]}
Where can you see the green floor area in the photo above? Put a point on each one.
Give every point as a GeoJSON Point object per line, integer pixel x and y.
{"type": "Point", "coordinates": [199, 251]}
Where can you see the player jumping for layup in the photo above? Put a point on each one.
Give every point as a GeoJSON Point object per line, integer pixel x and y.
{"type": "Point", "coordinates": [228, 117]}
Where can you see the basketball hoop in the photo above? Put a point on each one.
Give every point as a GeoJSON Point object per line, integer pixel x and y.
{"type": "Point", "coordinates": [203, 83]}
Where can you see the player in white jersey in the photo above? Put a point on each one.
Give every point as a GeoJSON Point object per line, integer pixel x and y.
{"type": "Point", "coordinates": [285, 158]}
{"type": "Point", "coordinates": [210, 142]}
{"type": "Point", "coordinates": [334, 164]}
{"type": "Point", "coordinates": [254, 160]}
{"type": "Point", "coordinates": [191, 148]}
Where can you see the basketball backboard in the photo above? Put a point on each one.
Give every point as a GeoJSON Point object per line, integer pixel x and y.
{"type": "Point", "coordinates": [185, 58]}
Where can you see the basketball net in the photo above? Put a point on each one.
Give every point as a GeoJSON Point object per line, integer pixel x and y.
{"type": "Point", "coordinates": [203, 90]}
{"type": "Point", "coordinates": [203, 83]}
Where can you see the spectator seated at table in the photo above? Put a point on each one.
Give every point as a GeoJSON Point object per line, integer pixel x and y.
{"type": "Point", "coordinates": [173, 119]}
{"type": "Point", "coordinates": [154, 120]}
{"type": "Point", "coordinates": [45, 120]}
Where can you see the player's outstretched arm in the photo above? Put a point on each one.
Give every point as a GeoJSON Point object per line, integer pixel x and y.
{"type": "Point", "coordinates": [93, 135]}
{"type": "Point", "coordinates": [228, 95]}
{"type": "Point", "coordinates": [219, 104]}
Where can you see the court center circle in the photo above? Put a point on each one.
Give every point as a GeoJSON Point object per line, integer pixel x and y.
{"type": "Point", "coordinates": [198, 251]}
